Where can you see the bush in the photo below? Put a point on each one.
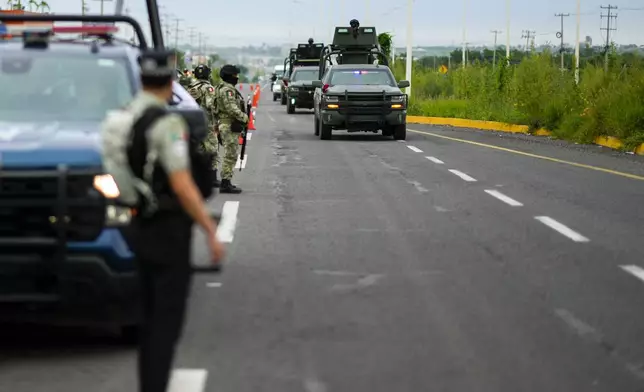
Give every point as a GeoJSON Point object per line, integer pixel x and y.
{"type": "Point", "coordinates": [538, 94]}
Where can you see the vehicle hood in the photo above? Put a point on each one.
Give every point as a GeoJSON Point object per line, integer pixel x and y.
{"type": "Point", "coordinates": [302, 83]}
{"type": "Point", "coordinates": [340, 89]}
{"type": "Point", "coordinates": [39, 145]}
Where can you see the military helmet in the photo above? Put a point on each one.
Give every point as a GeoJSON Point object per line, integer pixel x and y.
{"type": "Point", "coordinates": [310, 41]}
{"type": "Point", "coordinates": [228, 70]}
{"type": "Point", "coordinates": [202, 71]}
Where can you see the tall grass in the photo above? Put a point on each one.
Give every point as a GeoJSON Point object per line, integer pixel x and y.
{"type": "Point", "coordinates": [538, 94]}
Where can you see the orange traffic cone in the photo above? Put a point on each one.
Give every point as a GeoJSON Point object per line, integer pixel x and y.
{"type": "Point", "coordinates": [255, 98]}
{"type": "Point", "coordinates": [251, 123]}
{"type": "Point", "coordinates": [241, 86]}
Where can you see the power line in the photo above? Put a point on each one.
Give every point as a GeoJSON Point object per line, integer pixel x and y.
{"type": "Point", "coordinates": [560, 34]}
{"type": "Point", "coordinates": [496, 33]}
{"type": "Point", "coordinates": [103, 5]}
{"type": "Point", "coordinates": [527, 34]}
{"type": "Point", "coordinates": [608, 29]}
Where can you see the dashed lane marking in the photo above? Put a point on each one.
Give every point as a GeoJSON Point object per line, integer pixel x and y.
{"type": "Point", "coordinates": [249, 136]}
{"type": "Point", "coordinates": [188, 380]}
{"type": "Point", "coordinates": [226, 228]}
{"type": "Point", "coordinates": [462, 175]}
{"type": "Point", "coordinates": [634, 270]}
{"type": "Point", "coordinates": [561, 229]}
{"type": "Point", "coordinates": [414, 149]}
{"type": "Point", "coordinates": [507, 200]}
{"type": "Point", "coordinates": [241, 164]}
{"type": "Point", "coordinates": [435, 160]}
{"type": "Point", "coordinates": [527, 154]}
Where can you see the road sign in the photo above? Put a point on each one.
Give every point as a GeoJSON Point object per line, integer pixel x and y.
{"type": "Point", "coordinates": [443, 69]}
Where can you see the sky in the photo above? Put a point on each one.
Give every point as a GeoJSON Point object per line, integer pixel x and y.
{"type": "Point", "coordinates": [434, 22]}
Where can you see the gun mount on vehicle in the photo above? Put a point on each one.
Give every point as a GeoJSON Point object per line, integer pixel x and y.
{"type": "Point", "coordinates": [308, 54]}
{"type": "Point", "coordinates": [352, 45]}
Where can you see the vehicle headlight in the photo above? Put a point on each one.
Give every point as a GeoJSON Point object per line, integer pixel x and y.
{"type": "Point", "coordinates": [118, 216]}
{"type": "Point", "coordinates": [330, 98]}
{"type": "Point", "coordinates": [105, 184]}
{"type": "Point", "coordinates": [398, 98]}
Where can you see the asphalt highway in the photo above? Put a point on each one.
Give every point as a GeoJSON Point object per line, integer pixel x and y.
{"type": "Point", "coordinates": [456, 261]}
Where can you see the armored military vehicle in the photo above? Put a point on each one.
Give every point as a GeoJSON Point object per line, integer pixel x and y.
{"type": "Point", "coordinates": [355, 92]}
{"type": "Point", "coordinates": [302, 64]}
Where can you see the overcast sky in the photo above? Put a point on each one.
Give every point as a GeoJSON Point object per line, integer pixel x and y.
{"type": "Point", "coordinates": [246, 22]}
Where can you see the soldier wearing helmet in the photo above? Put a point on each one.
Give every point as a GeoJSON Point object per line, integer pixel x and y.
{"type": "Point", "coordinates": [232, 120]}
{"type": "Point", "coordinates": [204, 93]}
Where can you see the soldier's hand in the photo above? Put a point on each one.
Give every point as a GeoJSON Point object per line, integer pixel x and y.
{"type": "Point", "coordinates": [217, 250]}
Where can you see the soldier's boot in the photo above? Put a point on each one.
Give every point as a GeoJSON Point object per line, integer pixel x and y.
{"type": "Point", "coordinates": [215, 181]}
{"type": "Point", "coordinates": [227, 187]}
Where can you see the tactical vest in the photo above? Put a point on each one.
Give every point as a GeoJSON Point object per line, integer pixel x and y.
{"type": "Point", "coordinates": [164, 198]}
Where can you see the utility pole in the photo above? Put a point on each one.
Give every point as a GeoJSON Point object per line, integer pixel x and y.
{"type": "Point", "coordinates": [527, 34]}
{"type": "Point", "coordinates": [200, 41]}
{"type": "Point", "coordinates": [191, 37]}
{"type": "Point", "coordinates": [577, 42]}
{"type": "Point", "coordinates": [560, 34]}
{"type": "Point", "coordinates": [608, 29]}
{"type": "Point", "coordinates": [84, 7]}
{"type": "Point", "coordinates": [496, 33]}
{"type": "Point", "coordinates": [176, 41]}
{"type": "Point", "coordinates": [103, 5]}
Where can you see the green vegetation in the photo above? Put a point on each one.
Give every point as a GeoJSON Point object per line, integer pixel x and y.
{"type": "Point", "coordinates": [534, 91]}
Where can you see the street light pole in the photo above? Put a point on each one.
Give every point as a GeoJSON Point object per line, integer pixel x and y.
{"type": "Point", "coordinates": [577, 43]}
{"type": "Point", "coordinates": [410, 58]}
{"type": "Point", "coordinates": [507, 29]}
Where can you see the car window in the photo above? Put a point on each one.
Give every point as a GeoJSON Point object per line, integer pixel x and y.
{"type": "Point", "coordinates": [305, 74]}
{"type": "Point", "coordinates": [362, 77]}
{"type": "Point", "coordinates": [48, 86]}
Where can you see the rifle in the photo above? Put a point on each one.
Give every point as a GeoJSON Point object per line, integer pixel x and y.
{"type": "Point", "coordinates": [244, 133]}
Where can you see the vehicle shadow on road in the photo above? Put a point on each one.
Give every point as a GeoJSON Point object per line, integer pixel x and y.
{"type": "Point", "coordinates": [25, 341]}
{"type": "Point", "coordinates": [361, 137]}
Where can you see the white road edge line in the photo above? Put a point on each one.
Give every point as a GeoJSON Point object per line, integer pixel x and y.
{"type": "Point", "coordinates": [435, 160]}
{"type": "Point", "coordinates": [414, 149]}
{"type": "Point", "coordinates": [226, 228]}
{"type": "Point", "coordinates": [188, 380]}
{"type": "Point", "coordinates": [634, 270]}
{"type": "Point", "coordinates": [462, 175]}
{"type": "Point", "coordinates": [503, 198]}
{"type": "Point", "coordinates": [243, 163]}
{"type": "Point", "coordinates": [249, 135]}
{"type": "Point", "coordinates": [561, 228]}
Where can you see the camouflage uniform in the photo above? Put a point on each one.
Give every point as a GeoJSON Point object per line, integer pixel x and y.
{"type": "Point", "coordinates": [204, 93]}
{"type": "Point", "coordinates": [185, 81]}
{"type": "Point", "coordinates": [229, 102]}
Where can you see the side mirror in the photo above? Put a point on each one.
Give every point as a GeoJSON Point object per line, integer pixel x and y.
{"type": "Point", "coordinates": [317, 83]}
{"type": "Point", "coordinates": [404, 84]}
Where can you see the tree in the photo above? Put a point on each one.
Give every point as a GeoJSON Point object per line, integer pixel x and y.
{"type": "Point", "coordinates": [385, 40]}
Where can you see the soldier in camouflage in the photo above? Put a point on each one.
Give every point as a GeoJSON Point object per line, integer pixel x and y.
{"type": "Point", "coordinates": [185, 80]}
{"type": "Point", "coordinates": [204, 93]}
{"type": "Point", "coordinates": [232, 120]}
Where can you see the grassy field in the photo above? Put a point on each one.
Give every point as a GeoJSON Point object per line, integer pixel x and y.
{"type": "Point", "coordinates": [538, 94]}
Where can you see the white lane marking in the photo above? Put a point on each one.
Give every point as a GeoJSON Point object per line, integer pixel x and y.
{"type": "Point", "coordinates": [462, 175]}
{"type": "Point", "coordinates": [435, 160]}
{"type": "Point", "coordinates": [312, 385]}
{"type": "Point", "coordinates": [402, 141]}
{"type": "Point", "coordinates": [213, 284]}
{"type": "Point", "coordinates": [337, 273]}
{"type": "Point", "coordinates": [249, 136]}
{"type": "Point", "coordinates": [367, 281]}
{"type": "Point", "coordinates": [243, 163]}
{"type": "Point", "coordinates": [634, 270]}
{"type": "Point", "coordinates": [188, 380]}
{"type": "Point", "coordinates": [561, 228]}
{"type": "Point", "coordinates": [226, 228]}
{"type": "Point", "coordinates": [270, 117]}
{"type": "Point", "coordinates": [503, 198]}
{"type": "Point", "coordinates": [419, 187]}
{"type": "Point", "coordinates": [414, 149]}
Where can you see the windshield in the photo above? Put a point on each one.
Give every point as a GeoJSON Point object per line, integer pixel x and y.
{"type": "Point", "coordinates": [306, 75]}
{"type": "Point", "coordinates": [361, 77]}
{"type": "Point", "coordinates": [49, 86]}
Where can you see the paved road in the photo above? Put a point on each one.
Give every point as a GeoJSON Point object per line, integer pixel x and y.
{"type": "Point", "coordinates": [455, 261]}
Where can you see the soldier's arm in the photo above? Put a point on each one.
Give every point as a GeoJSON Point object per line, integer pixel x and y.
{"type": "Point", "coordinates": [170, 138]}
{"type": "Point", "coordinates": [232, 106]}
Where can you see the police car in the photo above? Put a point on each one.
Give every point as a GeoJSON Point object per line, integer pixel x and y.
{"type": "Point", "coordinates": [63, 256]}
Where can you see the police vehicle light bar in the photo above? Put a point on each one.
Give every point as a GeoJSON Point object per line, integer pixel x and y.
{"type": "Point", "coordinates": [85, 29]}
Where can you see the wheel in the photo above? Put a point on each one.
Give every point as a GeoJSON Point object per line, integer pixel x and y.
{"type": "Point", "coordinates": [130, 334]}
{"type": "Point", "coordinates": [325, 131]}
{"type": "Point", "coordinates": [283, 99]}
{"type": "Point", "coordinates": [274, 97]}
{"type": "Point", "coordinates": [400, 132]}
{"type": "Point", "coordinates": [290, 109]}
{"type": "Point", "coordinates": [388, 131]}
{"type": "Point", "coordinates": [317, 126]}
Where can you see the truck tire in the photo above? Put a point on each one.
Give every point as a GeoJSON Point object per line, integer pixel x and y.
{"type": "Point", "coordinates": [290, 109]}
{"type": "Point", "coordinates": [400, 132]}
{"type": "Point", "coordinates": [283, 99]}
{"type": "Point", "coordinates": [317, 126]}
{"type": "Point", "coordinates": [274, 97]}
{"type": "Point", "coordinates": [325, 131]}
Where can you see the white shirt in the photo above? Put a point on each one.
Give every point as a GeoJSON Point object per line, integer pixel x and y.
{"type": "Point", "coordinates": [182, 98]}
